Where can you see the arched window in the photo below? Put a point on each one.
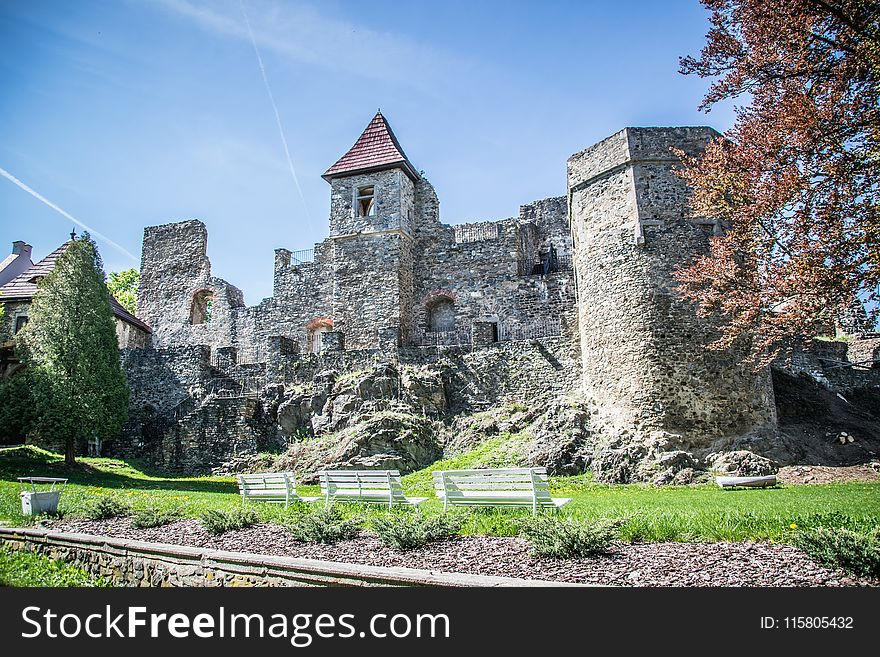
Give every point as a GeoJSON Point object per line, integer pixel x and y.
{"type": "Point", "coordinates": [314, 329]}
{"type": "Point", "coordinates": [202, 307]}
{"type": "Point", "coordinates": [441, 314]}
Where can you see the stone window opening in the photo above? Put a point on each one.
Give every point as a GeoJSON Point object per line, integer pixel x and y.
{"type": "Point", "coordinates": [441, 315]}
{"type": "Point", "coordinates": [20, 321]}
{"type": "Point", "coordinates": [366, 201]}
{"type": "Point", "coordinates": [202, 311]}
{"type": "Point", "coordinates": [315, 329]}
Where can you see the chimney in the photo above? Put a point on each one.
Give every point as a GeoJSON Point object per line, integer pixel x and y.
{"type": "Point", "coordinates": [17, 263]}
{"type": "Point", "coordinates": [21, 248]}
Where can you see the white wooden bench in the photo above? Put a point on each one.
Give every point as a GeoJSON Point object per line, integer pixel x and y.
{"type": "Point", "coordinates": [748, 482]}
{"type": "Point", "coordinates": [496, 487]}
{"type": "Point", "coordinates": [277, 487]}
{"type": "Point", "coordinates": [372, 486]}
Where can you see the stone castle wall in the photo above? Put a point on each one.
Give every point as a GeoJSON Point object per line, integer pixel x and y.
{"type": "Point", "coordinates": [193, 410]}
{"type": "Point", "coordinates": [607, 324]}
{"type": "Point", "coordinates": [371, 273]}
{"type": "Point", "coordinates": [646, 365]}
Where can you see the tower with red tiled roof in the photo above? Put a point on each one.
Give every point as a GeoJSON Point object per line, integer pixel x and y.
{"type": "Point", "coordinates": [373, 189]}
{"type": "Point", "coordinates": [376, 149]}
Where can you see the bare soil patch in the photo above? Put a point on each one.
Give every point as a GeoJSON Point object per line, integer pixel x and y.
{"type": "Point", "coordinates": [825, 474]}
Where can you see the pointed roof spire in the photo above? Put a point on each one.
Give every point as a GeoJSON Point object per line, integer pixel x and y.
{"type": "Point", "coordinates": [376, 149]}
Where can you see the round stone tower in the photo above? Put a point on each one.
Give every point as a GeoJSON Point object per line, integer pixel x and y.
{"type": "Point", "coordinates": [647, 367]}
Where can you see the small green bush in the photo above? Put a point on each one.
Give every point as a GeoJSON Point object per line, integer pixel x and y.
{"type": "Point", "coordinates": [855, 552]}
{"type": "Point", "coordinates": [218, 521]}
{"type": "Point", "coordinates": [325, 526]}
{"type": "Point", "coordinates": [567, 538]}
{"type": "Point", "coordinates": [105, 507]}
{"type": "Point", "coordinates": [411, 530]}
{"type": "Point", "coordinates": [146, 518]}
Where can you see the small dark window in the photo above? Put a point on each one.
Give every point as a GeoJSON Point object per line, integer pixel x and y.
{"type": "Point", "coordinates": [366, 204]}
{"type": "Point", "coordinates": [20, 321]}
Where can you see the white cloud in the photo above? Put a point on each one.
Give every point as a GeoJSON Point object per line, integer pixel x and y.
{"type": "Point", "coordinates": [302, 34]}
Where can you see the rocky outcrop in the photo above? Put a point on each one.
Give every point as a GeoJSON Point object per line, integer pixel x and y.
{"type": "Point", "coordinates": [561, 438]}
{"type": "Point", "coordinates": [741, 463]}
{"type": "Point", "coordinates": [376, 418]}
{"type": "Point", "coordinates": [379, 440]}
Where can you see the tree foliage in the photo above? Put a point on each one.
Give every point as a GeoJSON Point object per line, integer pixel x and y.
{"type": "Point", "coordinates": [795, 180]}
{"type": "Point", "coordinates": [16, 408]}
{"type": "Point", "coordinates": [123, 285]}
{"type": "Point", "coordinates": [70, 347]}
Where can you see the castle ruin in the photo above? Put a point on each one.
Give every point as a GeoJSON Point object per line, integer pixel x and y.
{"type": "Point", "coordinates": [395, 307]}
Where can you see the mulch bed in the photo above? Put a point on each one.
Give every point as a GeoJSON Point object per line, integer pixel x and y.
{"type": "Point", "coordinates": [648, 564]}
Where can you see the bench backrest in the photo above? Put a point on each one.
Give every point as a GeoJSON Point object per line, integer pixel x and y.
{"type": "Point", "coordinates": [513, 486]}
{"type": "Point", "coordinates": [266, 483]}
{"type": "Point", "coordinates": [371, 485]}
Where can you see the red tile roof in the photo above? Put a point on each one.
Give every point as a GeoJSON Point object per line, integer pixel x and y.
{"type": "Point", "coordinates": [377, 148]}
{"type": "Point", "coordinates": [24, 286]}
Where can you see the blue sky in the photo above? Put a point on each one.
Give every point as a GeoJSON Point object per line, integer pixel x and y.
{"type": "Point", "coordinates": [130, 113]}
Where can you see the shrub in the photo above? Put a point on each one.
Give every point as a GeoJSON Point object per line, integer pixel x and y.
{"type": "Point", "coordinates": [325, 526]}
{"type": "Point", "coordinates": [145, 518]}
{"type": "Point", "coordinates": [566, 538]}
{"type": "Point", "coordinates": [105, 507]}
{"type": "Point", "coordinates": [218, 521]}
{"type": "Point", "coordinates": [412, 530]}
{"type": "Point", "coordinates": [842, 548]}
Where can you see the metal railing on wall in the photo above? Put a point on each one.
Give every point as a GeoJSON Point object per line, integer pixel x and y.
{"type": "Point", "coordinates": [561, 264]}
{"type": "Point", "coordinates": [245, 356]}
{"type": "Point", "coordinates": [302, 257]}
{"type": "Point", "coordinates": [422, 338]}
{"type": "Point", "coordinates": [540, 328]}
{"type": "Point", "coordinates": [475, 232]}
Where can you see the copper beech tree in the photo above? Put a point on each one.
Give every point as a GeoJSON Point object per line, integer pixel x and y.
{"type": "Point", "coordinates": [795, 181]}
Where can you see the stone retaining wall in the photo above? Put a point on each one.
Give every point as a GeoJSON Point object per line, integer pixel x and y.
{"type": "Point", "coordinates": [139, 563]}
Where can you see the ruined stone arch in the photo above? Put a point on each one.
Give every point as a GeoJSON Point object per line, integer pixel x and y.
{"type": "Point", "coordinates": [314, 329]}
{"type": "Point", "coordinates": [202, 307]}
{"type": "Point", "coordinates": [440, 311]}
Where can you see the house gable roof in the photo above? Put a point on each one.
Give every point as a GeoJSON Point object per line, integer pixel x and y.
{"type": "Point", "coordinates": [24, 286]}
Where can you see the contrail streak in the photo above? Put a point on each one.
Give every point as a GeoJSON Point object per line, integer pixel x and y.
{"type": "Point", "coordinates": [15, 181]}
{"type": "Point", "coordinates": [275, 108]}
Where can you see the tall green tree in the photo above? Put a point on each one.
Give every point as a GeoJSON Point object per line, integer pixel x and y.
{"type": "Point", "coordinates": [123, 285]}
{"type": "Point", "coordinates": [69, 345]}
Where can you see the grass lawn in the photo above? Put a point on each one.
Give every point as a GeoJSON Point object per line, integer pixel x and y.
{"type": "Point", "coordinates": [675, 513]}
{"type": "Point", "coordinates": [31, 569]}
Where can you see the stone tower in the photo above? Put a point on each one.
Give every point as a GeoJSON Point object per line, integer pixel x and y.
{"type": "Point", "coordinates": [372, 205]}
{"type": "Point", "coordinates": [177, 295]}
{"type": "Point", "coordinates": [646, 365]}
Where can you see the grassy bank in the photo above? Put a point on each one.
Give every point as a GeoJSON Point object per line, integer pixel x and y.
{"type": "Point", "coordinates": [698, 513]}
{"type": "Point", "coordinates": [31, 569]}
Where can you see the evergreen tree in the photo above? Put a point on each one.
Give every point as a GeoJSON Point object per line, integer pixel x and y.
{"type": "Point", "coordinates": [16, 408]}
{"type": "Point", "coordinates": [69, 345]}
